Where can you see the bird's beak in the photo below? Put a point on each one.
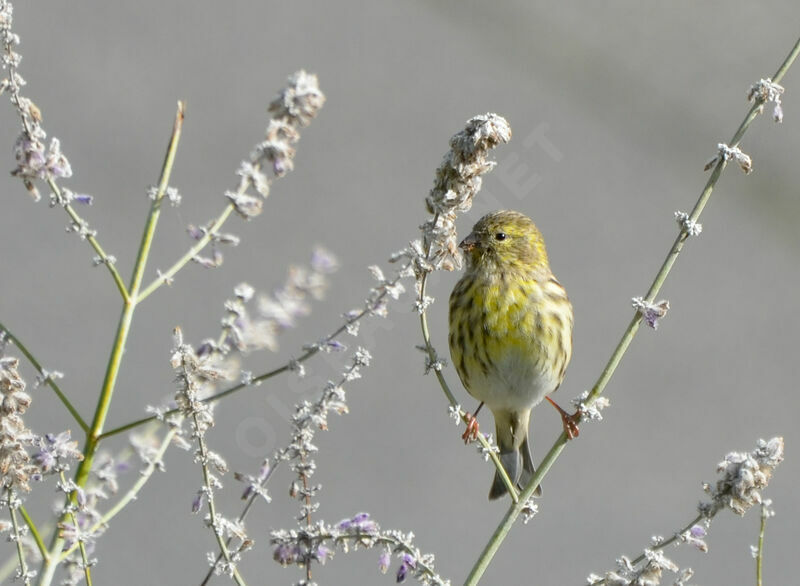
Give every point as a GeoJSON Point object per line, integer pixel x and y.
{"type": "Point", "coordinates": [469, 242]}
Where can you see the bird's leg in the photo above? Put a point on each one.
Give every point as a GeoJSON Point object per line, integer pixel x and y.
{"type": "Point", "coordinates": [570, 421]}
{"type": "Point", "coordinates": [471, 433]}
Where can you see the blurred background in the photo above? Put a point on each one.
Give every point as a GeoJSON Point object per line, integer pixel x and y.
{"type": "Point", "coordinates": [615, 108]}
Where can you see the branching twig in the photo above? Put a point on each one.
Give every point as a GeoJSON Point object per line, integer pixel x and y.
{"type": "Point", "coordinates": [121, 337]}
{"type": "Point", "coordinates": [23, 573]}
{"type": "Point", "coordinates": [45, 375]}
{"type": "Point", "coordinates": [311, 350]}
{"type": "Point", "coordinates": [154, 463]}
{"type": "Point", "coordinates": [743, 478]}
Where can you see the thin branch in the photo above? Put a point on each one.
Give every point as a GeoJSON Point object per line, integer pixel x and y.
{"type": "Point", "coordinates": [47, 379]}
{"type": "Point", "coordinates": [432, 357]}
{"type": "Point", "coordinates": [250, 502]}
{"type": "Point", "coordinates": [132, 493]}
{"type": "Point", "coordinates": [11, 499]}
{"type": "Point", "coordinates": [87, 572]}
{"type": "Point", "coordinates": [765, 514]}
{"type": "Point", "coordinates": [121, 336]}
{"type": "Point", "coordinates": [665, 543]}
{"type": "Point", "coordinates": [34, 531]}
{"type": "Point", "coordinates": [30, 120]}
{"type": "Point", "coordinates": [309, 353]}
{"type": "Point", "coordinates": [212, 507]}
{"type": "Point", "coordinates": [166, 276]}
{"type": "Point", "coordinates": [92, 240]}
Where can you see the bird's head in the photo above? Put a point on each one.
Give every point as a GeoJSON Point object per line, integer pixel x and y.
{"type": "Point", "coordinates": [505, 240]}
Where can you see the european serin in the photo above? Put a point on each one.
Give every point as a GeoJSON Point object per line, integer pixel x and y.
{"type": "Point", "coordinates": [510, 333]}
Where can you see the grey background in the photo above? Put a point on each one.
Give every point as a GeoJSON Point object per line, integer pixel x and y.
{"type": "Point", "coordinates": [634, 96]}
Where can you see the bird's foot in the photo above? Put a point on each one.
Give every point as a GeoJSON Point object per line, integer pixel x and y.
{"type": "Point", "coordinates": [471, 433]}
{"type": "Point", "coordinates": [570, 422]}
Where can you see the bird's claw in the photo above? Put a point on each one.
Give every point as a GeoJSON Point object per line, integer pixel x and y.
{"type": "Point", "coordinates": [571, 424]}
{"type": "Point", "coordinates": [471, 433]}
{"type": "Point", "coordinates": [570, 421]}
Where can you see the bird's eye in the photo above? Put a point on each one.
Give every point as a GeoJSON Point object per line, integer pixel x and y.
{"type": "Point", "coordinates": [500, 236]}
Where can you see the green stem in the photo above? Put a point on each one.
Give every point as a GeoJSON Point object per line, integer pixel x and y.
{"type": "Point", "coordinates": [92, 240]}
{"type": "Point", "coordinates": [123, 330]}
{"type": "Point", "coordinates": [87, 574]}
{"type": "Point", "coordinates": [23, 565]}
{"type": "Point", "coordinates": [50, 382]}
{"type": "Point", "coordinates": [132, 493]}
{"type": "Point", "coordinates": [760, 553]}
{"type": "Point", "coordinates": [513, 512]}
{"type": "Point", "coordinates": [34, 532]}
{"type": "Point", "coordinates": [186, 258]}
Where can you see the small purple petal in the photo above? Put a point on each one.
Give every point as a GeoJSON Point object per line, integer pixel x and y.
{"type": "Point", "coordinates": [197, 502]}
{"type": "Point", "coordinates": [384, 560]}
{"type": "Point", "coordinates": [284, 554]}
{"type": "Point", "coordinates": [698, 531]}
{"type": "Point", "coordinates": [323, 554]}
{"type": "Point", "coordinates": [195, 232]}
{"type": "Point", "coordinates": [360, 517]}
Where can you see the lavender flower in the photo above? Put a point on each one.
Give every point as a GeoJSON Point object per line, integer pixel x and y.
{"type": "Point", "coordinates": [457, 181]}
{"type": "Point", "coordinates": [767, 91]}
{"type": "Point", "coordinates": [691, 227]}
{"type": "Point", "coordinates": [16, 468]}
{"type": "Point", "coordinates": [317, 542]}
{"type": "Point", "coordinates": [277, 312]}
{"type": "Point", "coordinates": [300, 101]}
{"type": "Point", "coordinates": [744, 476]}
{"type": "Point", "coordinates": [408, 563]}
{"type": "Point", "coordinates": [696, 536]}
{"type": "Point", "coordinates": [651, 312]}
{"type": "Point", "coordinates": [384, 560]}
{"type": "Point", "coordinates": [726, 153]}
{"type": "Point", "coordinates": [55, 452]}
{"type": "Point", "coordinates": [294, 107]}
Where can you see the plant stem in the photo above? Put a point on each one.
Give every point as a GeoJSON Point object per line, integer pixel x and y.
{"type": "Point", "coordinates": [310, 352]}
{"type": "Point", "coordinates": [34, 531]}
{"type": "Point", "coordinates": [121, 337]}
{"type": "Point", "coordinates": [627, 337]}
{"type": "Point", "coordinates": [50, 382]}
{"type": "Point", "coordinates": [123, 330]}
{"type": "Point", "coordinates": [186, 258]}
{"type": "Point", "coordinates": [665, 543]}
{"type": "Point", "coordinates": [212, 508]}
{"type": "Point", "coordinates": [92, 240]}
{"type": "Point", "coordinates": [12, 509]}
{"type": "Point", "coordinates": [241, 518]}
{"type": "Point", "coordinates": [760, 552]}
{"type": "Point", "coordinates": [79, 535]}
{"type": "Point", "coordinates": [132, 493]}
{"type": "Point", "coordinates": [432, 356]}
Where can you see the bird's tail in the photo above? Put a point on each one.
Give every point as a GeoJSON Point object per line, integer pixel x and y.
{"type": "Point", "coordinates": [515, 455]}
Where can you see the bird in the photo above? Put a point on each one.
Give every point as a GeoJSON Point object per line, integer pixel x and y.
{"type": "Point", "coordinates": [510, 335]}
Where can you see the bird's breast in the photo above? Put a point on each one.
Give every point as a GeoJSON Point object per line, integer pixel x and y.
{"type": "Point", "coordinates": [513, 340]}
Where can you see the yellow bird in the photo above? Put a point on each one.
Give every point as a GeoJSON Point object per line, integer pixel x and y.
{"type": "Point", "coordinates": [510, 333]}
